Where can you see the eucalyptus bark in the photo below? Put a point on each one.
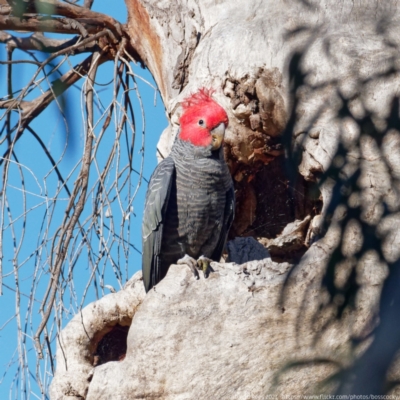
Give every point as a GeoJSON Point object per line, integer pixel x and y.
{"type": "Point", "coordinates": [318, 82]}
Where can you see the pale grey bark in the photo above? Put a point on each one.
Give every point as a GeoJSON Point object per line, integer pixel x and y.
{"type": "Point", "coordinates": [230, 337]}
{"type": "Point", "coordinates": [227, 337]}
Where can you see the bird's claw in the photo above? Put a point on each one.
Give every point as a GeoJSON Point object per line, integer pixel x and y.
{"type": "Point", "coordinates": [203, 263]}
{"type": "Point", "coordinates": [191, 263]}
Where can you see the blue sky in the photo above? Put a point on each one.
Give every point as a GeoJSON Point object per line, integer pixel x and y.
{"type": "Point", "coordinates": [39, 187]}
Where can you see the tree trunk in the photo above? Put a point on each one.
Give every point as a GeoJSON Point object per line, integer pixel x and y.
{"type": "Point", "coordinates": [308, 87]}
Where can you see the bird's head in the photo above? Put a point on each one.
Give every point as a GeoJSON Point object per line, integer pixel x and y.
{"type": "Point", "coordinates": [203, 121]}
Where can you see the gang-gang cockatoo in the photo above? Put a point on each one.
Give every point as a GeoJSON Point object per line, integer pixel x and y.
{"type": "Point", "coordinates": [190, 199]}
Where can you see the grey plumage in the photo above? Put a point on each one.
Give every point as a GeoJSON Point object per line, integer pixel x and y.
{"type": "Point", "coordinates": [189, 209]}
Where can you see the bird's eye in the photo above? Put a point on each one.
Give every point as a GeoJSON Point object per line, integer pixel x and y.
{"type": "Point", "coordinates": [201, 122]}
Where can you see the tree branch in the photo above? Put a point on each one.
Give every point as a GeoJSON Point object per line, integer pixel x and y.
{"type": "Point", "coordinates": [53, 7]}
{"type": "Point", "coordinates": [70, 49]}
{"type": "Point", "coordinates": [35, 24]}
{"type": "Point", "coordinates": [31, 109]}
{"type": "Point", "coordinates": [39, 42]}
{"type": "Point", "coordinates": [79, 193]}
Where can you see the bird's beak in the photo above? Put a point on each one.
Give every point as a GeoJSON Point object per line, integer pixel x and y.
{"type": "Point", "coordinates": [217, 135]}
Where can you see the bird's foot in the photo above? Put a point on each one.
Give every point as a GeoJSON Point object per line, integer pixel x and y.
{"type": "Point", "coordinates": [191, 263]}
{"type": "Point", "coordinates": [203, 263]}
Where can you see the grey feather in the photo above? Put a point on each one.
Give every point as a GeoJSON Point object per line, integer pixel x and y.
{"type": "Point", "coordinates": [189, 209]}
{"type": "Point", "coordinates": [154, 214]}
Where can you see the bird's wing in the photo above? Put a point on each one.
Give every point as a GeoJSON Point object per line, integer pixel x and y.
{"type": "Point", "coordinates": [229, 214]}
{"type": "Point", "coordinates": [157, 198]}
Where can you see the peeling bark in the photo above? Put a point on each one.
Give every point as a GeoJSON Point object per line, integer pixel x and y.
{"type": "Point", "coordinates": [80, 346]}
{"type": "Point", "coordinates": [231, 336]}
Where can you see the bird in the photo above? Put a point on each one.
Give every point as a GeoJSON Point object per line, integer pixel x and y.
{"type": "Point", "coordinates": [190, 199]}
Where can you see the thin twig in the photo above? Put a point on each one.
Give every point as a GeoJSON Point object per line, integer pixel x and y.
{"type": "Point", "coordinates": [80, 186]}
{"type": "Point", "coordinates": [36, 107]}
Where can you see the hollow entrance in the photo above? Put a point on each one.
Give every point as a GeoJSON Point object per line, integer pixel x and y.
{"type": "Point", "coordinates": [112, 346]}
{"type": "Point", "coordinates": [277, 202]}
